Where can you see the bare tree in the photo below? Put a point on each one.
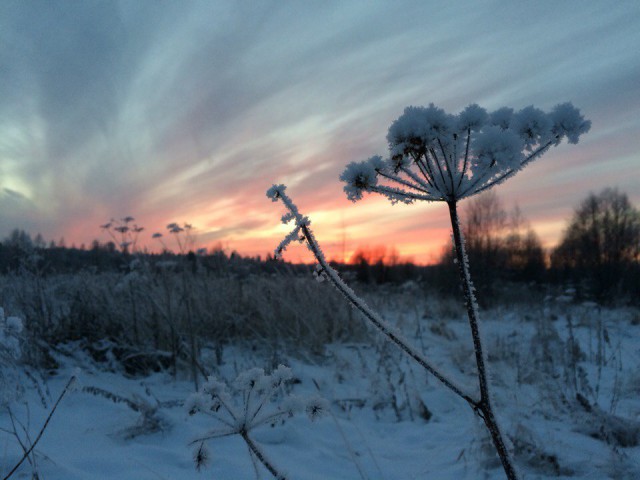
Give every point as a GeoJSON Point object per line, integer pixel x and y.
{"type": "Point", "coordinates": [602, 240]}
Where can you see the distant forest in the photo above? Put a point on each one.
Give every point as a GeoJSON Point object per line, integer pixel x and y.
{"type": "Point", "coordinates": [598, 258]}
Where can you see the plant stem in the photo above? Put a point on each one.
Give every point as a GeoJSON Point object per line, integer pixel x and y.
{"type": "Point", "coordinates": [260, 456]}
{"type": "Point", "coordinates": [378, 322]}
{"type": "Point", "coordinates": [44, 426]}
{"type": "Point", "coordinates": [483, 408]}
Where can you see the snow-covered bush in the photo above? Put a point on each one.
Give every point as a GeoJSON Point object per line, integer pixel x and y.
{"type": "Point", "coordinates": [436, 156]}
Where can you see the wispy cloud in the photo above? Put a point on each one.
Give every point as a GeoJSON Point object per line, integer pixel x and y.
{"type": "Point", "coordinates": [189, 111]}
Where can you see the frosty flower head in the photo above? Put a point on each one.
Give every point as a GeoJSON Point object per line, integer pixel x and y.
{"type": "Point", "coordinates": [201, 456]}
{"type": "Point", "coordinates": [253, 400]}
{"type": "Point", "coordinates": [359, 177]}
{"type": "Point", "coordinates": [215, 388]}
{"type": "Point", "coordinates": [316, 407]}
{"type": "Point", "coordinates": [280, 375]}
{"type": "Point", "coordinates": [568, 122]}
{"type": "Point", "coordinates": [472, 118]}
{"type": "Point", "coordinates": [249, 379]}
{"type": "Point", "coordinates": [435, 156]}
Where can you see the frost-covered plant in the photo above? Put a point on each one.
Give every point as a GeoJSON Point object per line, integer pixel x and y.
{"type": "Point", "coordinates": [29, 446]}
{"type": "Point", "coordinates": [436, 156]}
{"type": "Point", "coordinates": [10, 353]}
{"type": "Point", "coordinates": [263, 400]}
{"type": "Point", "coordinates": [11, 385]}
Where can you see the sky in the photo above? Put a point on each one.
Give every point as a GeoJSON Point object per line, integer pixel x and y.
{"type": "Point", "coordinates": [188, 111]}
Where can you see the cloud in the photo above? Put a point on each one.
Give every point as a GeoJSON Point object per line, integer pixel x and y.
{"type": "Point", "coordinates": [163, 109]}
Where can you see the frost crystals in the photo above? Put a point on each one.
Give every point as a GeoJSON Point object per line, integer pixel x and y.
{"type": "Point", "coordinates": [252, 400]}
{"type": "Point", "coordinates": [436, 156]}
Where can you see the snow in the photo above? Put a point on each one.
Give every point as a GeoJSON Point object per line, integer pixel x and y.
{"type": "Point", "coordinates": [376, 427]}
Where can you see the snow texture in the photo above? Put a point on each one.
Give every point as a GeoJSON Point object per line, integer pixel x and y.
{"type": "Point", "coordinates": [362, 437]}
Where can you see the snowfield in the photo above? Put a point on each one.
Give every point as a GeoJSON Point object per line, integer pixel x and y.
{"type": "Point", "coordinates": [566, 384]}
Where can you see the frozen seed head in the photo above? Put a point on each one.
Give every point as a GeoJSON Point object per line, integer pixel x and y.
{"type": "Point", "coordinates": [215, 388]}
{"type": "Point", "coordinates": [531, 125]}
{"type": "Point", "coordinates": [201, 456]}
{"type": "Point", "coordinates": [359, 177]}
{"type": "Point", "coordinates": [316, 407]}
{"type": "Point", "coordinates": [281, 374]}
{"type": "Point", "coordinates": [249, 379]}
{"type": "Point", "coordinates": [472, 118]}
{"type": "Point", "coordinates": [436, 156]}
{"type": "Point", "coordinates": [496, 147]}
{"type": "Point", "coordinates": [568, 122]}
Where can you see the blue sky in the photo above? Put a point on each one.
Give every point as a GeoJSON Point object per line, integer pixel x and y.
{"type": "Point", "coordinates": [188, 111]}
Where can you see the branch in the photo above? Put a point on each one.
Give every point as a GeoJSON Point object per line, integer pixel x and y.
{"type": "Point", "coordinates": [44, 426]}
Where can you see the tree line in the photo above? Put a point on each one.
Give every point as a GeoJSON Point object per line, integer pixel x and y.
{"type": "Point", "coordinates": [598, 254]}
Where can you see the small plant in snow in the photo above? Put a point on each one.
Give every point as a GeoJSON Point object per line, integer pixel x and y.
{"type": "Point", "coordinates": [436, 156]}
{"type": "Point", "coordinates": [263, 401]}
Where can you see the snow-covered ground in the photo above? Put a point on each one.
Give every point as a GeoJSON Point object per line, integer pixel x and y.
{"type": "Point", "coordinates": [566, 382]}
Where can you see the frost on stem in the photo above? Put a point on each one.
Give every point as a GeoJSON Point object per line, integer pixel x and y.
{"type": "Point", "coordinates": [324, 271]}
{"type": "Point", "coordinates": [252, 400]}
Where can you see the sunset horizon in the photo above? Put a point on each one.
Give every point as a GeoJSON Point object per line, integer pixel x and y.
{"type": "Point", "coordinates": [189, 113]}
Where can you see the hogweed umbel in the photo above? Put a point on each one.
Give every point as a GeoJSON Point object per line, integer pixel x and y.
{"type": "Point", "coordinates": [263, 401]}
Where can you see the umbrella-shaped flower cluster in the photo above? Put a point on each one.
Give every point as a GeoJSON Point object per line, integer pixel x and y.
{"type": "Point", "coordinates": [264, 400]}
{"type": "Point", "coordinates": [436, 156]}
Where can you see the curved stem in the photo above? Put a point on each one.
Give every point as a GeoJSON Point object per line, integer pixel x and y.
{"type": "Point", "coordinates": [484, 408]}
{"type": "Point", "coordinates": [378, 322]}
